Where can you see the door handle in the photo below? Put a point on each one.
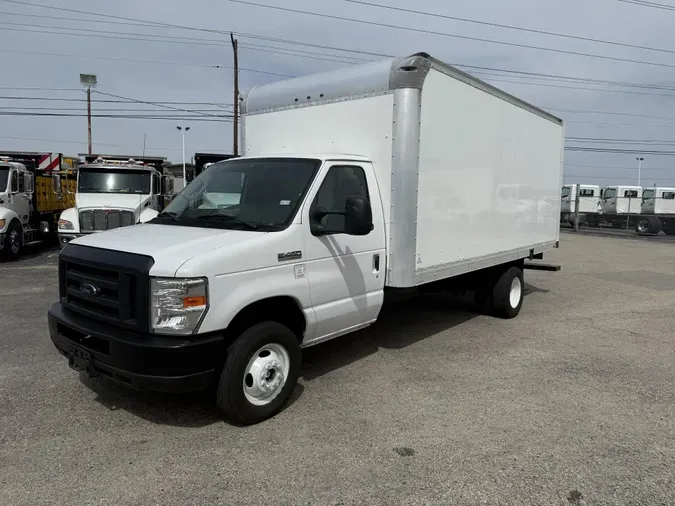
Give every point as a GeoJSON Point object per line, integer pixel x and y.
{"type": "Point", "coordinates": [376, 262]}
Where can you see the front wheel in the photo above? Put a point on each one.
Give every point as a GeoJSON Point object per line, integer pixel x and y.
{"type": "Point", "coordinates": [260, 373]}
{"type": "Point", "coordinates": [13, 245]}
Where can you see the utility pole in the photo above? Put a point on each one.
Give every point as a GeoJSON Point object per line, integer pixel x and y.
{"type": "Point", "coordinates": [639, 161]}
{"type": "Point", "coordinates": [182, 131]}
{"type": "Point", "coordinates": [88, 81]}
{"type": "Point", "coordinates": [89, 117]}
{"type": "Point", "coordinates": [576, 207]}
{"type": "Point", "coordinates": [235, 123]}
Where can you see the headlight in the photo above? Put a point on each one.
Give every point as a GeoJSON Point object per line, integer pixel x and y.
{"type": "Point", "coordinates": [66, 225]}
{"type": "Point", "coordinates": [177, 305]}
{"type": "Point", "coordinates": [2, 223]}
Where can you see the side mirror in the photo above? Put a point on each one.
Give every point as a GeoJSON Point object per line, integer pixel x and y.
{"type": "Point", "coordinates": [167, 185]}
{"type": "Point", "coordinates": [28, 183]}
{"type": "Point", "coordinates": [358, 216]}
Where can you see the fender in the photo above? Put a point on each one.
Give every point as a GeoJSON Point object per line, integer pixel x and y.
{"type": "Point", "coordinates": [147, 215]}
{"type": "Point", "coordinates": [229, 294]}
{"type": "Point", "coordinates": [70, 215]}
{"type": "Point", "coordinates": [8, 215]}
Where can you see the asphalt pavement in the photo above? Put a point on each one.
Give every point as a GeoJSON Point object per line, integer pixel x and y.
{"type": "Point", "coordinates": [571, 403]}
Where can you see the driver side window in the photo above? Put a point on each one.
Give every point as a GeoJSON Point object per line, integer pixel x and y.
{"type": "Point", "coordinates": [15, 181]}
{"type": "Point", "coordinates": [340, 183]}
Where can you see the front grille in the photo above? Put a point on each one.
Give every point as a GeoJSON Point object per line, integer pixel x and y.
{"type": "Point", "coordinates": [94, 220]}
{"type": "Point", "coordinates": [110, 286]}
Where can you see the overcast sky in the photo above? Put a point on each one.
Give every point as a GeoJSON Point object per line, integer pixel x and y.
{"type": "Point", "coordinates": [30, 57]}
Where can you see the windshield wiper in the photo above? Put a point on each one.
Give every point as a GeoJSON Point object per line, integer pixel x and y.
{"type": "Point", "coordinates": [168, 214]}
{"type": "Point", "coordinates": [224, 217]}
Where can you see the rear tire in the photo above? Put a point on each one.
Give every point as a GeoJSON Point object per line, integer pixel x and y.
{"type": "Point", "coordinates": [648, 225]}
{"type": "Point", "coordinates": [260, 372]}
{"type": "Point", "coordinates": [508, 292]}
{"type": "Point", "coordinates": [502, 295]}
{"type": "Point", "coordinates": [13, 245]}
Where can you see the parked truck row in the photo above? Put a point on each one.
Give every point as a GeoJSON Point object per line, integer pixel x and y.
{"type": "Point", "coordinates": [647, 210]}
{"type": "Point", "coordinates": [46, 197]}
{"type": "Point", "coordinates": [354, 185]}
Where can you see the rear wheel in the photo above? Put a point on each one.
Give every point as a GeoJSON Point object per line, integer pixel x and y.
{"type": "Point", "coordinates": [13, 244]}
{"type": "Point", "coordinates": [502, 295]}
{"type": "Point", "coordinates": [260, 373]}
{"type": "Point", "coordinates": [648, 225]}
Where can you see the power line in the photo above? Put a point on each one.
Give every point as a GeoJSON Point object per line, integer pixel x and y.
{"type": "Point", "coordinates": [116, 116]}
{"type": "Point", "coordinates": [156, 62]}
{"type": "Point", "coordinates": [452, 35]}
{"type": "Point", "coordinates": [157, 104]}
{"type": "Point", "coordinates": [620, 151]}
{"type": "Point", "coordinates": [56, 140]}
{"type": "Point", "coordinates": [611, 113]}
{"type": "Point", "coordinates": [614, 168]}
{"type": "Point", "coordinates": [653, 5]}
{"type": "Point", "coordinates": [148, 23]}
{"type": "Point", "coordinates": [59, 99]}
{"type": "Point", "coordinates": [510, 27]}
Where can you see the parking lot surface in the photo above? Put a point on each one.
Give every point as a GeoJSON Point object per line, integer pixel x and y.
{"type": "Point", "coordinates": [572, 402]}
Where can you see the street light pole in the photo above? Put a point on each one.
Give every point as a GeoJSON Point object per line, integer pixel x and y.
{"type": "Point", "coordinates": [89, 81]}
{"type": "Point", "coordinates": [182, 131]}
{"type": "Point", "coordinates": [639, 161]}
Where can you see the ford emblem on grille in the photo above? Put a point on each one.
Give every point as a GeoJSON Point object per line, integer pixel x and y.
{"type": "Point", "coordinates": [89, 289]}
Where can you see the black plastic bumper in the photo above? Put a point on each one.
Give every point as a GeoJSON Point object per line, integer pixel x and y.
{"type": "Point", "coordinates": [139, 361]}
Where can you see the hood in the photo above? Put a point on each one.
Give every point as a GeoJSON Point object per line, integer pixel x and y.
{"type": "Point", "coordinates": [170, 246]}
{"type": "Point", "coordinates": [109, 200]}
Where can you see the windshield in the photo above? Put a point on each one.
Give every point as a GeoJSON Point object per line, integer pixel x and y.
{"type": "Point", "coordinates": [566, 191]}
{"type": "Point", "coordinates": [262, 193]}
{"type": "Point", "coordinates": [647, 194]}
{"type": "Point", "coordinates": [4, 177]}
{"type": "Point", "coordinates": [610, 193]}
{"type": "Point", "coordinates": [113, 181]}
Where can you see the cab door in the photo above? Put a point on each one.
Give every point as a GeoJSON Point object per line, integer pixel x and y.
{"type": "Point", "coordinates": [20, 198]}
{"type": "Point", "coordinates": [346, 272]}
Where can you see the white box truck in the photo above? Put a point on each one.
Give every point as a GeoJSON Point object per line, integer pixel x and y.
{"type": "Point", "coordinates": [336, 201]}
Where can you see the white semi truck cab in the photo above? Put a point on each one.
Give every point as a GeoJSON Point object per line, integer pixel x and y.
{"type": "Point", "coordinates": [300, 240]}
{"type": "Point", "coordinates": [112, 194]}
{"type": "Point", "coordinates": [16, 207]}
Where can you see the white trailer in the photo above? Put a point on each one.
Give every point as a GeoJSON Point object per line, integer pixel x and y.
{"type": "Point", "coordinates": [345, 192]}
{"type": "Point", "coordinates": [590, 206]}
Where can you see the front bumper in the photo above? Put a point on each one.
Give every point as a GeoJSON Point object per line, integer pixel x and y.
{"type": "Point", "coordinates": [137, 360]}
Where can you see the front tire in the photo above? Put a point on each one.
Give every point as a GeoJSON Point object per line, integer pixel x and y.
{"type": "Point", "coordinates": [13, 245]}
{"type": "Point", "coordinates": [261, 370]}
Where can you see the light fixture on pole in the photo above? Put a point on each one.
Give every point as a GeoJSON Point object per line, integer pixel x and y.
{"type": "Point", "coordinates": [88, 81]}
{"type": "Point", "coordinates": [639, 161]}
{"type": "Point", "coordinates": [182, 131]}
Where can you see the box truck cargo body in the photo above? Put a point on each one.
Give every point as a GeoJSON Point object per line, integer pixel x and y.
{"type": "Point", "coordinates": [353, 184]}
{"type": "Point", "coordinates": [426, 127]}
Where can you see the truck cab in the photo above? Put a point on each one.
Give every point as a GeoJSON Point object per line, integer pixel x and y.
{"type": "Point", "coordinates": [658, 200]}
{"type": "Point", "coordinates": [590, 203]}
{"type": "Point", "coordinates": [16, 206]}
{"type": "Point", "coordinates": [112, 194]}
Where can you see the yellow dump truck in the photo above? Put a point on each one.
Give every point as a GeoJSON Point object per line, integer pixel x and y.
{"type": "Point", "coordinates": [32, 197]}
